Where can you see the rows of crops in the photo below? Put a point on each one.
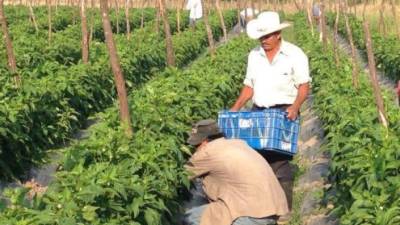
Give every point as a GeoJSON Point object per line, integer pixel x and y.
{"type": "Point", "coordinates": [36, 58]}
{"type": "Point", "coordinates": [108, 179]}
{"type": "Point", "coordinates": [111, 179]}
{"type": "Point", "coordinates": [19, 15]}
{"type": "Point", "coordinates": [365, 159]}
{"type": "Point", "coordinates": [386, 49]}
{"type": "Point", "coordinates": [48, 109]}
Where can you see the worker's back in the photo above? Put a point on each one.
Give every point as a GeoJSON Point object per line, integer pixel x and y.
{"type": "Point", "coordinates": [241, 178]}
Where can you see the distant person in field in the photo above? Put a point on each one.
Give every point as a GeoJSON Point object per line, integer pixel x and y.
{"type": "Point", "coordinates": [245, 16]}
{"type": "Point", "coordinates": [240, 186]}
{"type": "Point", "coordinates": [196, 11]}
{"type": "Point", "coordinates": [316, 12]}
{"type": "Point", "coordinates": [277, 77]}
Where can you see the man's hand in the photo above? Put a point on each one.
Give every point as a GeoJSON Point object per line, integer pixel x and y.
{"type": "Point", "coordinates": [292, 112]}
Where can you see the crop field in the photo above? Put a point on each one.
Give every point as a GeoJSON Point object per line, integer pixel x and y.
{"type": "Point", "coordinates": [134, 75]}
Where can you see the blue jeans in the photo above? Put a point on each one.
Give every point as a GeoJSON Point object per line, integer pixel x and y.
{"type": "Point", "coordinates": [197, 204]}
{"type": "Point", "coordinates": [193, 216]}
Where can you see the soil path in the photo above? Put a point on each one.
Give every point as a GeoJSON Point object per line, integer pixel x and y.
{"type": "Point", "coordinates": [384, 81]}
{"type": "Point", "coordinates": [314, 163]}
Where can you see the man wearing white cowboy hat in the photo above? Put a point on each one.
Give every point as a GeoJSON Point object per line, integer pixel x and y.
{"type": "Point", "coordinates": [277, 77]}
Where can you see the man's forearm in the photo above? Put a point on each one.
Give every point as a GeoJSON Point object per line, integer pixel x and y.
{"type": "Point", "coordinates": [238, 104]}
{"type": "Point", "coordinates": [301, 95]}
{"type": "Point", "coordinates": [245, 95]}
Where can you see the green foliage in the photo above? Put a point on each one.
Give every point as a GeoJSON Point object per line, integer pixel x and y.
{"type": "Point", "coordinates": [365, 164]}
{"type": "Point", "coordinates": [108, 179]}
{"type": "Point", "coordinates": [45, 111]}
{"type": "Point", "coordinates": [386, 49]}
{"type": "Point", "coordinates": [34, 53]}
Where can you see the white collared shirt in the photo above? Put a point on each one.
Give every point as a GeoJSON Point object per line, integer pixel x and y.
{"type": "Point", "coordinates": [196, 9]}
{"type": "Point", "coordinates": [277, 82]}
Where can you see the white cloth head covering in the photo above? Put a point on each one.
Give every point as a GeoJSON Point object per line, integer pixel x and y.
{"type": "Point", "coordinates": [266, 23]}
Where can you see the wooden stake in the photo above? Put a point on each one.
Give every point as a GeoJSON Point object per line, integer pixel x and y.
{"type": "Point", "coordinates": [117, 71]}
{"type": "Point", "coordinates": [208, 28]}
{"type": "Point", "coordinates": [168, 36]}
{"type": "Point", "coordinates": [85, 35]}
{"type": "Point", "coordinates": [280, 6]}
{"type": "Point", "coordinates": [323, 25]}
{"type": "Point", "coordinates": [158, 17]}
{"type": "Point", "coordinates": [309, 17]}
{"type": "Point", "coordinates": [374, 80]}
{"type": "Point", "coordinates": [253, 8]}
{"type": "Point", "coordinates": [364, 7]}
{"type": "Point", "coordinates": [49, 20]}
{"type": "Point", "coordinates": [355, 8]}
{"type": "Point", "coordinates": [297, 5]}
{"type": "Point", "coordinates": [91, 30]}
{"type": "Point", "coordinates": [75, 13]}
{"type": "Point", "coordinates": [335, 33]}
{"type": "Point", "coordinates": [396, 23]}
{"type": "Point", "coordinates": [238, 11]}
{"type": "Point", "coordinates": [32, 16]}
{"type": "Point", "coordinates": [12, 63]}
{"type": "Point", "coordinates": [382, 28]}
{"type": "Point", "coordinates": [142, 14]}
{"type": "Point", "coordinates": [355, 71]}
{"type": "Point", "coordinates": [246, 16]}
{"type": "Point", "coordinates": [117, 13]}
{"type": "Point", "coordinates": [128, 24]}
{"type": "Point", "coordinates": [178, 16]}
{"type": "Point", "coordinates": [221, 19]}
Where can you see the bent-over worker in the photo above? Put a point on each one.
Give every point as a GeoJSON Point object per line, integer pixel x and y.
{"type": "Point", "coordinates": [239, 184]}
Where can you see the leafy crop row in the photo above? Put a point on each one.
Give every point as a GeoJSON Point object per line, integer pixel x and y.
{"type": "Point", "coordinates": [108, 179]}
{"type": "Point", "coordinates": [37, 57]}
{"type": "Point", "coordinates": [18, 18]}
{"type": "Point", "coordinates": [46, 111]}
{"type": "Point", "coordinates": [65, 51]}
{"type": "Point", "coordinates": [26, 40]}
{"type": "Point", "coordinates": [386, 49]}
{"type": "Point", "coordinates": [365, 160]}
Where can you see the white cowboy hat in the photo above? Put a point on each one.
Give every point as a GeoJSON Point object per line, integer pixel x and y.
{"type": "Point", "coordinates": [266, 23]}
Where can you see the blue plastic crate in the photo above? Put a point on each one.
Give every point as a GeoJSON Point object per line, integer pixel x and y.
{"type": "Point", "coordinates": [268, 130]}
